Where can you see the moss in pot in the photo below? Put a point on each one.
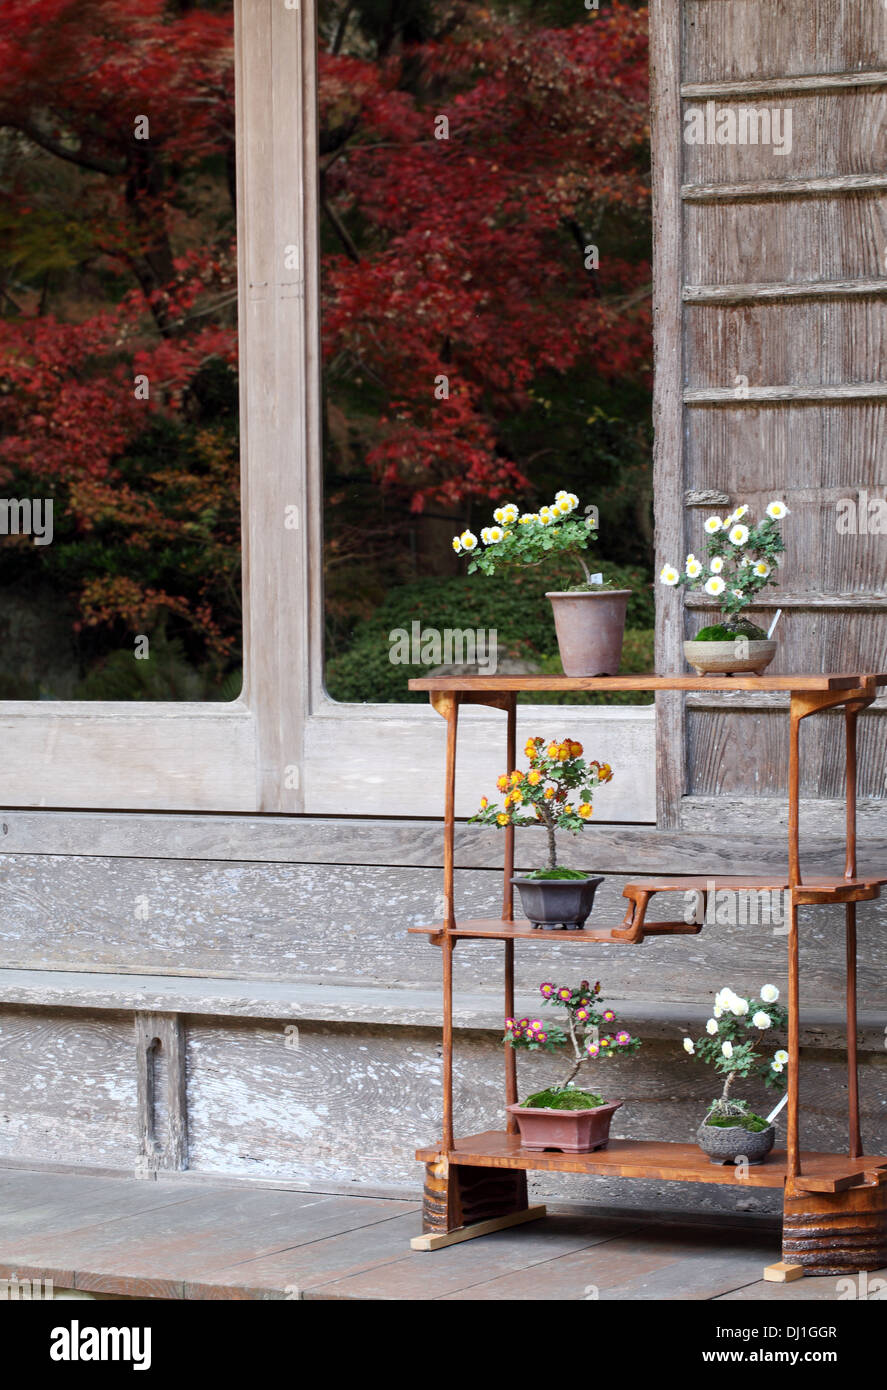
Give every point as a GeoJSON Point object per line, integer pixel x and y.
{"type": "Point", "coordinates": [565, 1117]}
{"type": "Point", "coordinates": [736, 1036]}
{"type": "Point", "coordinates": [555, 792]}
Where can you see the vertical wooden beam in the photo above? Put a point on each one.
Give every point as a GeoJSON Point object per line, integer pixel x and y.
{"type": "Point", "coordinates": [796, 714]}
{"type": "Point", "coordinates": [276, 231]}
{"type": "Point", "coordinates": [851, 714]}
{"type": "Point", "coordinates": [510, 764]}
{"type": "Point", "coordinates": [161, 1095]}
{"type": "Point", "coordinates": [793, 1143]}
{"type": "Point", "coordinates": [668, 447]}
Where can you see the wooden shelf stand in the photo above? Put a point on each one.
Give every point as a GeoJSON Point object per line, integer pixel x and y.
{"type": "Point", "coordinates": [835, 1205]}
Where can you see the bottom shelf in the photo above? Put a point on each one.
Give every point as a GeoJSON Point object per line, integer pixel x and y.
{"type": "Point", "coordinates": [638, 1158]}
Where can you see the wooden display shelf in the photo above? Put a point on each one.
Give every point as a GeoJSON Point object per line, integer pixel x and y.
{"type": "Point", "coordinates": [835, 1206]}
{"type": "Point", "coordinates": [641, 1158]}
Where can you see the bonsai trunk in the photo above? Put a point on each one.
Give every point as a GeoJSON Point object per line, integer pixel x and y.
{"type": "Point", "coordinates": [549, 830]}
{"type": "Point", "coordinates": [577, 1055]}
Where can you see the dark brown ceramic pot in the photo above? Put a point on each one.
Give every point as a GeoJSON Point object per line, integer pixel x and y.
{"type": "Point", "coordinates": [565, 1131]}
{"type": "Point", "coordinates": [590, 627]}
{"type": "Point", "coordinates": [552, 903]}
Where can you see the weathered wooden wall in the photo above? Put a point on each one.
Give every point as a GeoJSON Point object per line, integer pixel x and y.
{"type": "Point", "coordinates": [772, 313]}
{"type": "Point", "coordinates": [297, 1026]}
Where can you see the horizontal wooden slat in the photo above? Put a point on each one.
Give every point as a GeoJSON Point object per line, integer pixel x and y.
{"type": "Point", "coordinates": [803, 289]}
{"type": "Point", "coordinates": [828, 186]}
{"type": "Point", "coordinates": [779, 599]}
{"type": "Point", "coordinates": [767, 86]}
{"type": "Point", "coordinates": [846, 391]}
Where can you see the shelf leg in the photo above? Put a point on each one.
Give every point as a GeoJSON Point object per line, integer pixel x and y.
{"type": "Point", "coordinates": [510, 1052]}
{"type": "Point", "coordinates": [793, 1144]}
{"type": "Point", "coordinates": [447, 947]}
{"type": "Point", "coordinates": [851, 714]}
{"type": "Point", "coordinates": [510, 764]}
{"type": "Point", "coordinates": [794, 791]}
{"type": "Point", "coordinates": [855, 1145]}
{"type": "Point", "coordinates": [461, 1203]}
{"type": "Point", "coordinates": [449, 708]}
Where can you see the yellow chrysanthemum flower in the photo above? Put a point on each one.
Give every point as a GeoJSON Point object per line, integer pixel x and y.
{"type": "Point", "coordinates": [484, 803]}
{"type": "Point", "coordinates": [585, 810]}
{"type": "Point", "coordinates": [534, 777]}
{"type": "Point", "coordinates": [548, 793]}
{"type": "Point", "coordinates": [563, 752]}
{"type": "Point", "coordinates": [551, 750]}
{"type": "Point", "coordinates": [568, 810]}
{"type": "Point", "coordinates": [502, 819]}
{"type": "Point", "coordinates": [502, 782]}
{"type": "Point", "coordinates": [575, 749]}
{"type": "Point", "coordinates": [516, 778]}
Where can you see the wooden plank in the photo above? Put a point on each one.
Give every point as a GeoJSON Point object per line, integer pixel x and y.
{"type": "Point", "coordinates": [432, 1240]}
{"type": "Point", "coordinates": [798, 391]}
{"type": "Point", "coordinates": [746, 40]}
{"type": "Point", "coordinates": [789, 86]}
{"type": "Point", "coordinates": [755, 190]}
{"type": "Point", "coordinates": [773, 292]}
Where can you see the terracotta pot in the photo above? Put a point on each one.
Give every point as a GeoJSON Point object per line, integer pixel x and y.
{"type": "Point", "coordinates": [565, 1131]}
{"type": "Point", "coordinates": [729, 658]}
{"type": "Point", "coordinates": [589, 630]}
{"type": "Point", "coordinates": [552, 903]}
{"type": "Point", "coordinates": [726, 1145]}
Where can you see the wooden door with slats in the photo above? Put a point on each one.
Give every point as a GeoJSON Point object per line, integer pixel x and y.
{"type": "Point", "coordinates": [771, 363]}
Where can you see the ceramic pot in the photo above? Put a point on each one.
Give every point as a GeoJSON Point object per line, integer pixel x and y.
{"type": "Point", "coordinates": [565, 1131]}
{"type": "Point", "coordinates": [590, 628]}
{"type": "Point", "coordinates": [730, 658]}
{"type": "Point", "coordinates": [726, 1145]}
{"type": "Point", "coordinates": [553, 903]}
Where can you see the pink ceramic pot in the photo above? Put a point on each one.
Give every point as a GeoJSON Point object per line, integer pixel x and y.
{"type": "Point", "coordinates": [565, 1131]}
{"type": "Point", "coordinates": [590, 628]}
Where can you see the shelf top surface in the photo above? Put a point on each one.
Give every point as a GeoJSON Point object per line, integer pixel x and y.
{"type": "Point", "coordinates": [654, 1159]}
{"type": "Point", "coordinates": [496, 684]}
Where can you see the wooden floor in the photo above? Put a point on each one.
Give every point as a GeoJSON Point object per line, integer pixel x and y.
{"type": "Point", "coordinates": [197, 1240]}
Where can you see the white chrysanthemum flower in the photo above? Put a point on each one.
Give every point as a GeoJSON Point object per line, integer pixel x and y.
{"type": "Point", "coordinates": [781, 1056]}
{"type": "Point", "coordinates": [713, 524]}
{"type": "Point", "coordinates": [693, 567]}
{"type": "Point", "coordinates": [738, 535]}
{"type": "Point", "coordinates": [457, 545]}
{"type": "Point", "coordinates": [509, 513]}
{"type": "Point", "coordinates": [712, 1026]}
{"type": "Point", "coordinates": [499, 515]}
{"type": "Point", "coordinates": [528, 517]}
{"type": "Point", "coordinates": [761, 1020]}
{"type": "Point", "coordinates": [739, 513]}
{"type": "Point", "coordinates": [769, 994]}
{"type": "Point", "coordinates": [714, 586]}
{"type": "Point", "coordinates": [738, 1006]}
{"type": "Point", "coordinates": [717, 564]}
{"type": "Point", "coordinates": [668, 575]}
{"type": "Point", "coordinates": [762, 569]}
{"type": "Point", "coordinates": [777, 510]}
{"type": "Point", "coordinates": [485, 535]}
{"type": "Point", "coordinates": [777, 1066]}
{"type": "Point", "coordinates": [573, 501]}
{"type": "Point", "coordinates": [723, 997]}
{"type": "Point", "coordinates": [496, 534]}
{"type": "Point", "coordinates": [718, 1011]}
{"type": "Point", "coordinates": [727, 1048]}
{"type": "Point", "coordinates": [468, 539]}
{"type": "Point", "coordinates": [546, 516]}
{"type": "Point", "coordinates": [563, 493]}
{"type": "Point", "coordinates": [689, 1046]}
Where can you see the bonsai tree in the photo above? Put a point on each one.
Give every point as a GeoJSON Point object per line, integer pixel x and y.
{"type": "Point", "coordinates": [743, 557]}
{"type": "Point", "coordinates": [735, 1044]}
{"type": "Point", "coordinates": [588, 1035]}
{"type": "Point", "coordinates": [556, 791]}
{"type": "Point", "coordinates": [527, 538]}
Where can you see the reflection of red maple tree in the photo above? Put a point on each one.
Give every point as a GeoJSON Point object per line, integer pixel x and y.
{"type": "Point", "coordinates": [459, 258]}
{"type": "Point", "coordinates": [473, 268]}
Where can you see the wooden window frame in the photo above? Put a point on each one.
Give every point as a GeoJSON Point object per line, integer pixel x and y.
{"type": "Point", "coordinates": [284, 746]}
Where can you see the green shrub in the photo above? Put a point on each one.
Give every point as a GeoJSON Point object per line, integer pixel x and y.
{"type": "Point", "coordinates": [518, 611]}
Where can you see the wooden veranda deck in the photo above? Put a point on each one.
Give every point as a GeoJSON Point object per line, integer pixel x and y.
{"type": "Point", "coordinates": [156, 1239]}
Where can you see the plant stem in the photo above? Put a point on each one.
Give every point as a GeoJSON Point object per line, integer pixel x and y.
{"type": "Point", "coordinates": [549, 828]}
{"type": "Point", "coordinates": [585, 570]}
{"type": "Point", "coordinates": [577, 1051]}
{"type": "Point", "coordinates": [727, 1084]}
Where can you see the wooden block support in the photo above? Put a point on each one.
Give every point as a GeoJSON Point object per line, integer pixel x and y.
{"type": "Point", "coordinates": [459, 1199]}
{"type": "Point", "coordinates": [438, 1240]}
{"type": "Point", "coordinates": [783, 1273]}
{"type": "Point", "coordinates": [836, 1232]}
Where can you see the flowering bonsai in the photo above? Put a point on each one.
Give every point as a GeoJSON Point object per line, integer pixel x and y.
{"type": "Point", "coordinates": [736, 1044]}
{"type": "Point", "coordinates": [556, 791]}
{"type": "Point", "coordinates": [527, 538]}
{"type": "Point", "coordinates": [579, 1119]}
{"type": "Point", "coordinates": [589, 617]}
{"type": "Point", "coordinates": [743, 556]}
